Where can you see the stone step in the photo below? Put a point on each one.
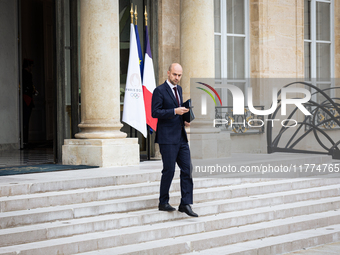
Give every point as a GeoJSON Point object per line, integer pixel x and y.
{"type": "Point", "coordinates": [193, 233]}
{"type": "Point", "coordinates": [286, 166]}
{"type": "Point", "coordinates": [274, 245]}
{"type": "Point", "coordinates": [75, 196]}
{"type": "Point", "coordinates": [219, 219]}
{"type": "Point", "coordinates": [67, 197]}
{"type": "Point", "coordinates": [148, 171]}
{"type": "Point", "coordinates": [113, 209]}
{"type": "Point", "coordinates": [332, 248]}
{"type": "Point", "coordinates": [248, 191]}
{"type": "Point", "coordinates": [79, 179]}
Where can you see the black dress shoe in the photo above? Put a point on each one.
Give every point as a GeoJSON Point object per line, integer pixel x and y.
{"type": "Point", "coordinates": [187, 209]}
{"type": "Point", "coordinates": [166, 207]}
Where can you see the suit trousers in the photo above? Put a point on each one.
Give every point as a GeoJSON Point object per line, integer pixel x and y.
{"type": "Point", "coordinates": [180, 154]}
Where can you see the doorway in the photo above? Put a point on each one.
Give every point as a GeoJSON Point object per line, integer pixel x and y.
{"type": "Point", "coordinates": [49, 31]}
{"type": "Point", "coordinates": [37, 43]}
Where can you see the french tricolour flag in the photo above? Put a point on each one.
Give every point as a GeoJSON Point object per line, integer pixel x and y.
{"type": "Point", "coordinates": [149, 83]}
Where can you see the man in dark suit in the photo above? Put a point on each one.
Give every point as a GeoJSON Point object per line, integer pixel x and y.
{"type": "Point", "coordinates": [172, 139]}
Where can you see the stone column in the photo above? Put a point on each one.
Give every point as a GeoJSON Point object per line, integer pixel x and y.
{"type": "Point", "coordinates": [337, 41]}
{"type": "Point", "coordinates": [276, 52]}
{"type": "Point", "coordinates": [337, 46]}
{"type": "Point", "coordinates": [100, 141]}
{"type": "Point", "coordinates": [197, 59]}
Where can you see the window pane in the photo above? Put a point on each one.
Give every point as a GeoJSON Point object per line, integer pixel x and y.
{"type": "Point", "coordinates": [219, 92]}
{"type": "Point", "coordinates": [307, 19]}
{"type": "Point", "coordinates": [235, 58]}
{"type": "Point", "coordinates": [323, 21]}
{"type": "Point", "coordinates": [217, 17]}
{"type": "Point", "coordinates": [323, 59]}
{"type": "Point", "coordinates": [321, 98]}
{"type": "Point", "coordinates": [217, 56]}
{"type": "Point", "coordinates": [228, 97]}
{"type": "Point", "coordinates": [307, 62]}
{"type": "Point", "coordinates": [235, 16]}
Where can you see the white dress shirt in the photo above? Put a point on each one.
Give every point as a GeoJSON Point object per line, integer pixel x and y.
{"type": "Point", "coordinates": [173, 91]}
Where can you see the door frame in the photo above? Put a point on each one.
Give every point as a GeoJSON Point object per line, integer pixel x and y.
{"type": "Point", "coordinates": [60, 108]}
{"type": "Point", "coordinates": [21, 128]}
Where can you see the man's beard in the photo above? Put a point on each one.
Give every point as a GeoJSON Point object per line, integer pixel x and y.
{"type": "Point", "coordinates": [173, 82]}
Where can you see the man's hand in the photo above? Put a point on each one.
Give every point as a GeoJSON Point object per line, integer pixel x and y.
{"type": "Point", "coordinates": [187, 124]}
{"type": "Point", "coordinates": [181, 110]}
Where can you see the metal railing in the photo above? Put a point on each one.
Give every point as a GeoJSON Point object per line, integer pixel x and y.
{"type": "Point", "coordinates": [248, 122]}
{"type": "Point", "coordinates": [321, 117]}
{"type": "Point", "coordinates": [324, 116]}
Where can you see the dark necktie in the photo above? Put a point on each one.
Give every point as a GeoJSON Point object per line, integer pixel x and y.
{"type": "Point", "coordinates": [175, 88]}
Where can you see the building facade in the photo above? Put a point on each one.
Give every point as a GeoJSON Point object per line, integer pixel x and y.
{"type": "Point", "coordinates": [80, 50]}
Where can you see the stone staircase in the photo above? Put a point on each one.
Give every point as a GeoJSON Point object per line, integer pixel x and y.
{"type": "Point", "coordinates": [114, 211]}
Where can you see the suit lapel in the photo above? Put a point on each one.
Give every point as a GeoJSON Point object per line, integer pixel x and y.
{"type": "Point", "coordinates": [179, 88]}
{"type": "Point", "coordinates": [170, 93]}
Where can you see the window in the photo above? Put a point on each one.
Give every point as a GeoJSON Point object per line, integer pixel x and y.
{"type": "Point", "coordinates": [318, 44]}
{"type": "Point", "coordinates": [231, 44]}
{"type": "Point", "coordinates": [231, 55]}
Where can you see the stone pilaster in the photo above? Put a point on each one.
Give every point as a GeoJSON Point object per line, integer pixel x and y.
{"type": "Point", "coordinates": [100, 141]}
{"type": "Point", "coordinates": [276, 39]}
{"type": "Point", "coordinates": [197, 59]}
{"type": "Point", "coordinates": [169, 24]}
{"type": "Point", "coordinates": [337, 39]}
{"type": "Point", "coordinates": [337, 46]}
{"type": "Point", "coordinates": [276, 51]}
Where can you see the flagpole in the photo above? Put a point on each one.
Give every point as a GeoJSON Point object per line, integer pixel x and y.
{"type": "Point", "coordinates": [148, 127]}
{"type": "Point", "coordinates": [136, 28]}
{"type": "Point", "coordinates": [131, 12]}
{"type": "Point", "coordinates": [136, 14]}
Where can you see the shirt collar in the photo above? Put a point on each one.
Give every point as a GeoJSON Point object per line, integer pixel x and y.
{"type": "Point", "coordinates": [171, 85]}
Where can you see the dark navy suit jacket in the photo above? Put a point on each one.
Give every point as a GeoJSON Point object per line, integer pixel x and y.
{"type": "Point", "coordinates": [169, 126]}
